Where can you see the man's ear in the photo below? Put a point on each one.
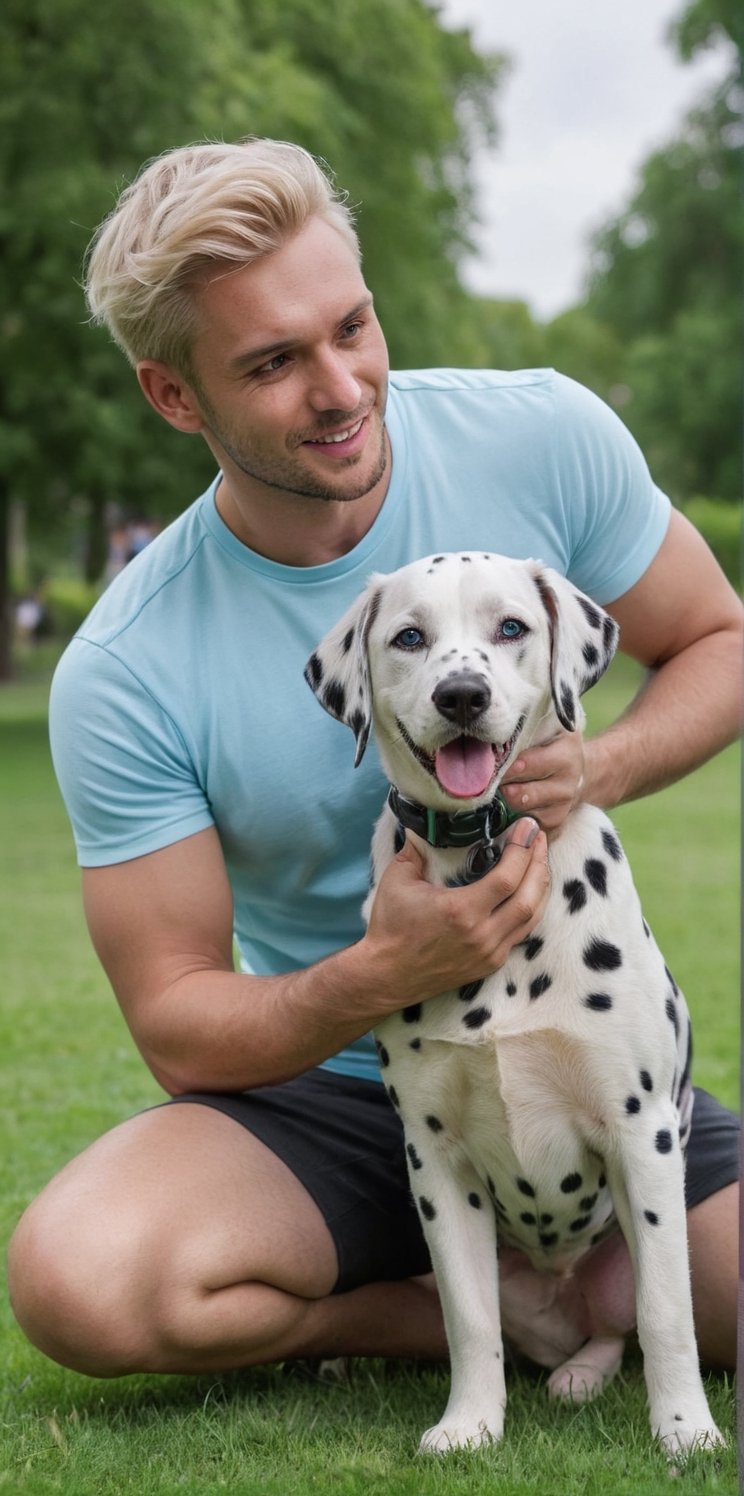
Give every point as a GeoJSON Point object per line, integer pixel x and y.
{"type": "Point", "coordinates": [170, 395]}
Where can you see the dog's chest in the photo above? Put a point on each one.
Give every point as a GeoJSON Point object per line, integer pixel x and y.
{"type": "Point", "coordinates": [523, 1074]}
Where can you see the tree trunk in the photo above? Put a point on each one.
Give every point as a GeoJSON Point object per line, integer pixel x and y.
{"type": "Point", "coordinates": [96, 539]}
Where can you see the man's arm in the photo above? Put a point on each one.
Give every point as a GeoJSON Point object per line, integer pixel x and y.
{"type": "Point", "coordinates": [162, 927]}
{"type": "Point", "coordinates": [684, 622]}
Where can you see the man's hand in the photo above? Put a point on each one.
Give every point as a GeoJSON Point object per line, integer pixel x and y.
{"type": "Point", "coordinates": [547, 782]}
{"type": "Point", "coordinates": [423, 939]}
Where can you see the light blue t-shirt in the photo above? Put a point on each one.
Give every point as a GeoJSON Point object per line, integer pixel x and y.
{"type": "Point", "coordinates": [181, 703]}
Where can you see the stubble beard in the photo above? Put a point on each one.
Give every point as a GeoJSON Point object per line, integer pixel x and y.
{"type": "Point", "coordinates": [289, 477]}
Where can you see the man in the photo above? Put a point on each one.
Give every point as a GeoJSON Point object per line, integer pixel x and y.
{"type": "Point", "coordinates": [210, 795]}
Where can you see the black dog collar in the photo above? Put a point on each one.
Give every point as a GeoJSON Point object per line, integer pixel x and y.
{"type": "Point", "coordinates": [459, 828]}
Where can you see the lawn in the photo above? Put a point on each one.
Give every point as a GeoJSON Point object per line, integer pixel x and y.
{"type": "Point", "coordinates": [71, 1070]}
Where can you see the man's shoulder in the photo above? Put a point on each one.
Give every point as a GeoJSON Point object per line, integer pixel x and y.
{"type": "Point", "coordinates": [470, 381]}
{"type": "Point", "coordinates": [147, 581]}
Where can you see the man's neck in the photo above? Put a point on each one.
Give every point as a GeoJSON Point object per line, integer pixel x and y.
{"type": "Point", "coordinates": [292, 529]}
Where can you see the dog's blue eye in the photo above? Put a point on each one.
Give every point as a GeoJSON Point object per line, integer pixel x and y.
{"type": "Point", "coordinates": [511, 628]}
{"type": "Point", "coordinates": [409, 639]}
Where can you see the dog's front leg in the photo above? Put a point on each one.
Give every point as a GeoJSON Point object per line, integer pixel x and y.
{"type": "Point", "coordinates": [646, 1178]}
{"type": "Point", "coordinates": [460, 1228]}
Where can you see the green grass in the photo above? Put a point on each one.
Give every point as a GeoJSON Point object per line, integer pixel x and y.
{"type": "Point", "coordinates": [70, 1070]}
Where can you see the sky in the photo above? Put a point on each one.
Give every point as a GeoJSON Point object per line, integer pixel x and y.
{"type": "Point", "coordinates": [593, 89]}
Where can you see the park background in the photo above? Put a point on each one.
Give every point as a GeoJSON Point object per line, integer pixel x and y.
{"type": "Point", "coordinates": [405, 101]}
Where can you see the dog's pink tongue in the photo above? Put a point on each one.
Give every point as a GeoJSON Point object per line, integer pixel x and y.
{"type": "Point", "coordinates": [465, 767]}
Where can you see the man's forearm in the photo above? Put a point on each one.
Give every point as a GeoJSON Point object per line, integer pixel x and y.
{"type": "Point", "coordinates": [686, 711]}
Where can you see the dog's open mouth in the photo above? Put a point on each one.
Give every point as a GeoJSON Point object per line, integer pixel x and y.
{"type": "Point", "coordinates": [465, 766]}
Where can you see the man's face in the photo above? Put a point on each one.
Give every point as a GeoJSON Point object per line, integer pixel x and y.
{"type": "Point", "coordinates": [290, 369]}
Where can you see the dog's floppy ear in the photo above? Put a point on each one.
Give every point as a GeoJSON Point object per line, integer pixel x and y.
{"type": "Point", "coordinates": [338, 670]}
{"type": "Point", "coordinates": [583, 640]}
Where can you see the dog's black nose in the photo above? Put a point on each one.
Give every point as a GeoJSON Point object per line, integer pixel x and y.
{"type": "Point", "coordinates": [462, 697]}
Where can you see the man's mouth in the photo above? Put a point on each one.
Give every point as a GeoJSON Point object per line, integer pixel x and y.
{"type": "Point", "coordinates": [345, 443]}
{"type": "Point", "coordinates": [464, 767]}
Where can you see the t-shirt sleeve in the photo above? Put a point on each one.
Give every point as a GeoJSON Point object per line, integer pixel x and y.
{"type": "Point", "coordinates": [615, 515]}
{"type": "Point", "coordinates": [126, 776]}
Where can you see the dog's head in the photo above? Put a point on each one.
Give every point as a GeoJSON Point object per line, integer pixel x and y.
{"type": "Point", "coordinates": [460, 660]}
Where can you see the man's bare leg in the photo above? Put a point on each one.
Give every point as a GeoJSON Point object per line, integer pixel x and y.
{"type": "Point", "coordinates": [180, 1243]}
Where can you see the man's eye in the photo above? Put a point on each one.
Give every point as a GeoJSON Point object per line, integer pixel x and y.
{"type": "Point", "coordinates": [273, 365]}
{"type": "Point", "coordinates": [512, 628]}
{"type": "Point", "coordinates": [409, 638]}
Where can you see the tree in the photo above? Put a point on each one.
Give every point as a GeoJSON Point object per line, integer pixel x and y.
{"type": "Point", "coordinates": [665, 277]}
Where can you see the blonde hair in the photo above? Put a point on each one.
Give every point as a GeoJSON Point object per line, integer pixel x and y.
{"type": "Point", "coordinates": [199, 207]}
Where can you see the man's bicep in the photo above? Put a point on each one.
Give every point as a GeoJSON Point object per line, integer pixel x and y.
{"type": "Point", "coordinates": [682, 597]}
{"type": "Point", "coordinates": [158, 918]}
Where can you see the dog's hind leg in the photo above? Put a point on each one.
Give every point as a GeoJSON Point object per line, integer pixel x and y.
{"type": "Point", "coordinates": [587, 1373]}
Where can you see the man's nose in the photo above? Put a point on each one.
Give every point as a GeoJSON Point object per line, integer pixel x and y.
{"type": "Point", "coordinates": [333, 385]}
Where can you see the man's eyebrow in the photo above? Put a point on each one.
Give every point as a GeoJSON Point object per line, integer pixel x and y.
{"type": "Point", "coordinates": [266, 350]}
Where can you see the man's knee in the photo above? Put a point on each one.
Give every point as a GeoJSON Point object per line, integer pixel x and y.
{"type": "Point", "coordinates": [72, 1283]}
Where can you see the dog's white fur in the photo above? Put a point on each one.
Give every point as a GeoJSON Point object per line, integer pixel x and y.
{"type": "Point", "coordinates": [570, 1062]}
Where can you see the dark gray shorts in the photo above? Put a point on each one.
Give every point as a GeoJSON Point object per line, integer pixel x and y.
{"type": "Point", "coordinates": [342, 1139]}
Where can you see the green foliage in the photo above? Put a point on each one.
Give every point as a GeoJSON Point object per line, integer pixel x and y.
{"type": "Point", "coordinates": [721, 525]}
{"type": "Point", "coordinates": [69, 601]}
{"type": "Point", "coordinates": [666, 280]}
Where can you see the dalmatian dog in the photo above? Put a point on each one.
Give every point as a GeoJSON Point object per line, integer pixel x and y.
{"type": "Point", "coordinates": [550, 1102]}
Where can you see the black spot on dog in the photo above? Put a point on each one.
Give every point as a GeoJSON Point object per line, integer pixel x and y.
{"type": "Point", "coordinates": [571, 1183]}
{"type": "Point", "coordinates": [414, 1044]}
{"type": "Point", "coordinates": [528, 1218]}
{"type": "Point", "coordinates": [393, 1094]}
{"type": "Point", "coordinates": [525, 1188]}
{"type": "Point", "coordinates": [532, 947]}
{"type": "Point", "coordinates": [384, 1057]}
{"type": "Point", "coordinates": [567, 702]}
{"type": "Point", "coordinates": [511, 988]}
{"type": "Point", "coordinates": [632, 1106]}
{"type": "Point", "coordinates": [474, 1200]}
{"type": "Point", "coordinates": [413, 1156]}
{"type": "Point", "coordinates": [596, 875]}
{"type": "Point", "coordinates": [602, 1181]}
{"type": "Point", "coordinates": [547, 1238]}
{"type": "Point", "coordinates": [334, 697]}
{"type": "Point", "coordinates": [469, 991]}
{"type": "Point", "coordinates": [348, 640]}
{"type": "Point", "coordinates": [426, 1208]}
{"type": "Point", "coordinates": [609, 630]}
{"type": "Point", "coordinates": [591, 654]}
{"type": "Point", "coordinates": [540, 985]}
{"type": "Point", "coordinates": [476, 1018]}
{"type": "Point", "coordinates": [437, 560]}
{"type": "Point", "coordinates": [672, 983]}
{"type": "Point", "coordinates": [593, 615]}
{"type": "Point", "coordinates": [575, 892]}
{"type": "Point", "coordinates": [651, 1217]}
{"type": "Point", "coordinates": [580, 1223]}
{"type": "Point", "coordinates": [546, 1219]}
{"type": "Point", "coordinates": [466, 558]}
{"type": "Point", "coordinates": [646, 930]}
{"type": "Point", "coordinates": [600, 955]}
{"type": "Point", "coordinates": [612, 846]}
{"type": "Point", "coordinates": [314, 670]}
{"type": "Point", "coordinates": [671, 1013]}
{"type": "Point", "coordinates": [434, 1124]}
{"type": "Point", "coordinates": [646, 1081]}
{"type": "Point", "coordinates": [663, 1140]}
{"type": "Point", "coordinates": [412, 1013]}
{"type": "Point", "coordinates": [588, 1202]}
{"type": "Point", "coordinates": [598, 1002]}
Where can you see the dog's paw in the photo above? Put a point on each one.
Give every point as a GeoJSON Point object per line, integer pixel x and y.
{"type": "Point", "coordinates": [462, 1433]}
{"type": "Point", "coordinates": [679, 1434]}
{"type": "Point", "coordinates": [585, 1375]}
